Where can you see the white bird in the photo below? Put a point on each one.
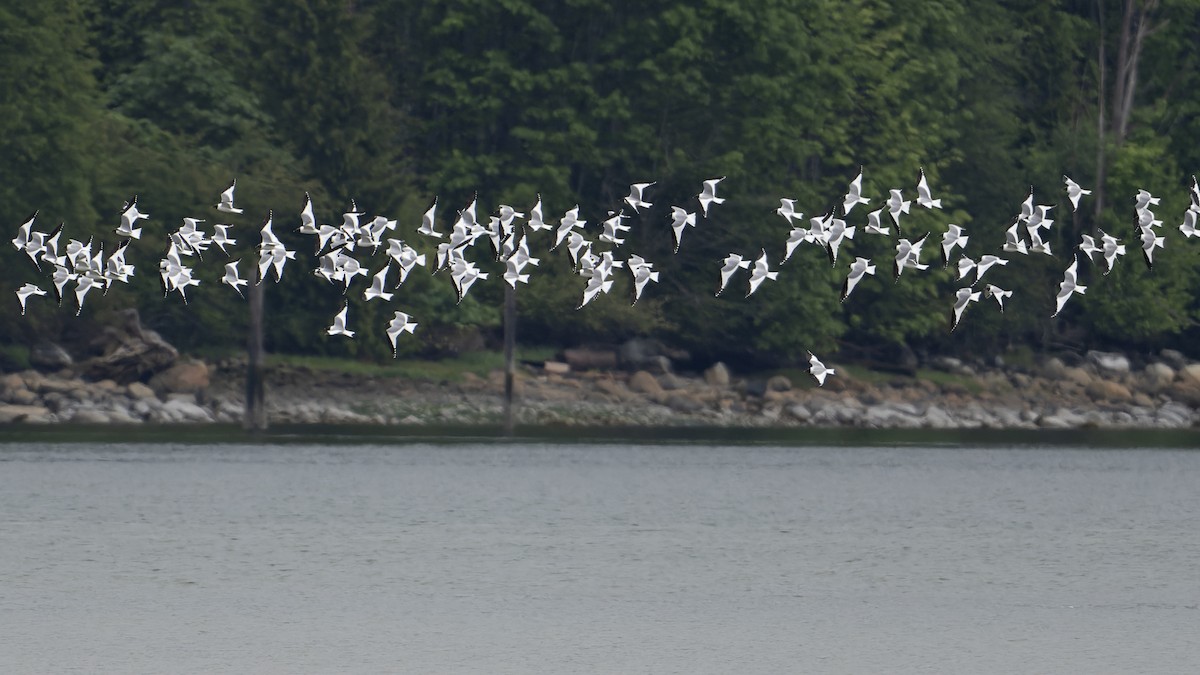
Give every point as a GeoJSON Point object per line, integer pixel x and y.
{"type": "Point", "coordinates": [1150, 241]}
{"type": "Point", "coordinates": [818, 369]}
{"type": "Point", "coordinates": [23, 232]}
{"type": "Point", "coordinates": [966, 265]}
{"type": "Point", "coordinates": [25, 291]}
{"type": "Point", "coordinates": [924, 198]}
{"type": "Point", "coordinates": [797, 236]}
{"type": "Point", "coordinates": [596, 285]}
{"type": "Point", "coordinates": [427, 227]}
{"type": "Point", "coordinates": [1144, 200]}
{"type": "Point", "coordinates": [858, 269]}
{"type": "Point", "coordinates": [536, 220]}
{"type": "Point", "coordinates": [231, 277]}
{"type": "Point", "coordinates": [708, 195]}
{"type": "Point", "coordinates": [1113, 249]}
{"type": "Point", "coordinates": [953, 237]}
{"type": "Point", "coordinates": [1012, 240]}
{"type": "Point", "coordinates": [226, 203]}
{"type": "Point", "coordinates": [576, 246]}
{"type": "Point", "coordinates": [613, 229]}
{"type": "Point", "coordinates": [680, 220]}
{"type": "Point", "coordinates": [835, 233]}
{"type": "Point", "coordinates": [378, 284]}
{"type": "Point", "coordinates": [400, 323]}
{"type": "Point", "coordinates": [569, 222]}
{"type": "Point", "coordinates": [854, 194]}
{"type": "Point", "coordinates": [994, 291]}
{"type": "Point", "coordinates": [83, 284]}
{"type": "Point", "coordinates": [222, 239]}
{"type": "Point", "coordinates": [731, 264]}
{"type": "Point", "coordinates": [643, 273]}
{"type": "Point", "coordinates": [512, 273]}
{"type": "Point", "coordinates": [1026, 208]}
{"type": "Point", "coordinates": [1036, 245]}
{"type": "Point", "coordinates": [1146, 219]}
{"type": "Point", "coordinates": [635, 196]}
{"type": "Point", "coordinates": [985, 263]}
{"type": "Point", "coordinates": [874, 223]}
{"type": "Point", "coordinates": [908, 254]}
{"type": "Point", "coordinates": [339, 323]}
{"type": "Point", "coordinates": [1074, 192]}
{"type": "Point", "coordinates": [1088, 247]}
{"type": "Point", "coordinates": [787, 209]}
{"type": "Point", "coordinates": [129, 217]}
{"type": "Point", "coordinates": [62, 276]}
{"type": "Point", "coordinates": [962, 297]}
{"type": "Point", "coordinates": [1070, 285]}
{"type": "Point", "coordinates": [308, 221]}
{"type": "Point", "coordinates": [760, 272]}
{"type": "Point", "coordinates": [896, 205]}
{"type": "Point", "coordinates": [1188, 228]}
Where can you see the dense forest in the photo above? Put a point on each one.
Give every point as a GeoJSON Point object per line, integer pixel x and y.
{"type": "Point", "coordinates": [391, 103]}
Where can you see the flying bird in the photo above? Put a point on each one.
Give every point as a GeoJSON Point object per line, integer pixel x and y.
{"type": "Point", "coordinates": [226, 203]}
{"type": "Point", "coordinates": [708, 195]}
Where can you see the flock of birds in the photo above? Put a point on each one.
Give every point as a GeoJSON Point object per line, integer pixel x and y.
{"type": "Point", "coordinates": [508, 230]}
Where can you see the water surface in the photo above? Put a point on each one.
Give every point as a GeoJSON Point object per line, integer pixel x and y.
{"type": "Point", "coordinates": [543, 557]}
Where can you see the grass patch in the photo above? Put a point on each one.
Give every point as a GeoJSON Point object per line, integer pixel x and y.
{"type": "Point", "coordinates": [479, 363]}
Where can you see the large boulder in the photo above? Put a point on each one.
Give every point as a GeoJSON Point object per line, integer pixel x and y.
{"type": "Point", "coordinates": [717, 375]}
{"type": "Point", "coordinates": [583, 359]}
{"type": "Point", "coordinates": [182, 378]}
{"type": "Point", "coordinates": [128, 352]}
{"type": "Point", "coordinates": [1110, 363]}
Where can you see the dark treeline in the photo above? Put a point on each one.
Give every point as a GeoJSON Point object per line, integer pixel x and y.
{"type": "Point", "coordinates": [391, 102]}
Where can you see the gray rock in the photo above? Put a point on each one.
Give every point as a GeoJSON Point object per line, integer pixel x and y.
{"type": "Point", "coordinates": [1109, 362]}
{"type": "Point", "coordinates": [139, 390]}
{"type": "Point", "coordinates": [779, 383]}
{"type": "Point", "coordinates": [1174, 358]}
{"type": "Point", "coordinates": [800, 412]}
{"type": "Point", "coordinates": [645, 383]}
{"type": "Point", "coordinates": [681, 402]}
{"type": "Point", "coordinates": [1157, 376]}
{"type": "Point", "coordinates": [89, 416]}
{"type": "Point", "coordinates": [184, 410]}
{"type": "Point", "coordinates": [23, 413]}
{"type": "Point", "coordinates": [717, 375]}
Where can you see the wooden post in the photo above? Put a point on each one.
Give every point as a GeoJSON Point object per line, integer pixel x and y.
{"type": "Point", "coordinates": [255, 416]}
{"type": "Point", "coordinates": [510, 342]}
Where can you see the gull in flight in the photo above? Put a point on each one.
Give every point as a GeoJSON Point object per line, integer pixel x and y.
{"type": "Point", "coordinates": [339, 323]}
{"type": "Point", "coordinates": [613, 229]}
{"type": "Point", "coordinates": [1188, 228]}
{"type": "Point", "coordinates": [378, 284]}
{"type": "Point", "coordinates": [1150, 241]}
{"type": "Point", "coordinates": [21, 241]}
{"type": "Point", "coordinates": [953, 237]}
{"type": "Point", "coordinates": [222, 239]}
{"type": "Point", "coordinates": [908, 254]}
{"type": "Point", "coordinates": [569, 222]}
{"type": "Point", "coordinates": [680, 220]}
{"type": "Point", "coordinates": [400, 323]}
{"type": "Point", "coordinates": [643, 273]}
{"type": "Point", "coordinates": [708, 195]}
{"type": "Point", "coordinates": [226, 203]}
{"type": "Point", "coordinates": [731, 264]}
{"type": "Point", "coordinates": [1145, 200]}
{"type": "Point", "coordinates": [962, 297]}
{"type": "Point", "coordinates": [923, 196]}
{"type": "Point", "coordinates": [835, 233]}
{"type": "Point", "coordinates": [797, 236]}
{"type": "Point", "coordinates": [231, 277]}
{"type": "Point", "coordinates": [635, 196]}
{"type": "Point", "coordinates": [1074, 192]}
{"type": "Point", "coordinates": [129, 217]}
{"type": "Point", "coordinates": [985, 263]}
{"type": "Point", "coordinates": [787, 209]}
{"type": "Point", "coordinates": [818, 370]}
{"type": "Point", "coordinates": [1088, 247]}
{"type": "Point", "coordinates": [1068, 287]}
{"type": "Point", "coordinates": [874, 225]}
{"type": "Point", "coordinates": [1113, 249]}
{"type": "Point", "coordinates": [25, 291]}
{"type": "Point", "coordinates": [760, 272]}
{"type": "Point", "coordinates": [536, 220]}
{"type": "Point", "coordinates": [427, 221]}
{"type": "Point", "coordinates": [1012, 240]}
{"type": "Point", "coordinates": [308, 222]}
{"type": "Point", "coordinates": [858, 269]}
{"type": "Point", "coordinates": [994, 291]}
{"type": "Point", "coordinates": [896, 205]}
{"type": "Point", "coordinates": [854, 194]}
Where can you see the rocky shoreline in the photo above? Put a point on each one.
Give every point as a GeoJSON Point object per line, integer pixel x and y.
{"type": "Point", "coordinates": [1099, 390]}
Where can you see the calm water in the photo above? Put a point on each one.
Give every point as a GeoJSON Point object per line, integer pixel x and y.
{"type": "Point", "coordinates": [597, 559]}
